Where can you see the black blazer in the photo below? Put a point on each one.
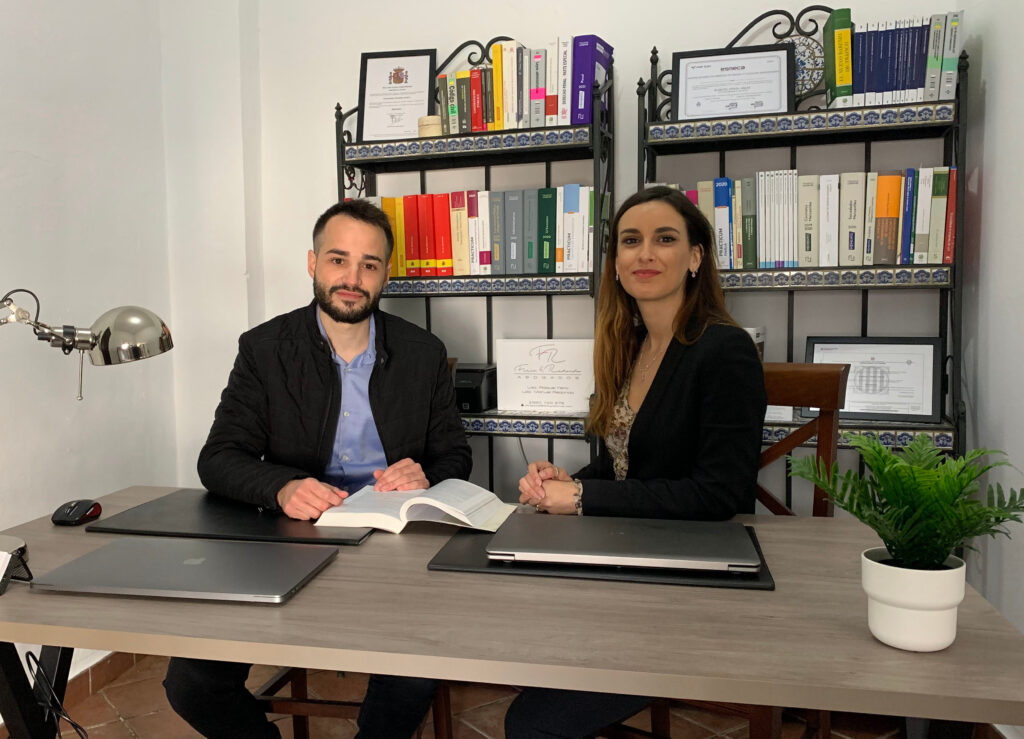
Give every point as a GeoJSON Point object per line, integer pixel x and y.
{"type": "Point", "coordinates": [696, 439]}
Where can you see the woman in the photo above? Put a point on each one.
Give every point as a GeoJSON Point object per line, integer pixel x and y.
{"type": "Point", "coordinates": [679, 402]}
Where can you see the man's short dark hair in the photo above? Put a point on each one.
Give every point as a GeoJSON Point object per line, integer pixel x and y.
{"type": "Point", "coordinates": [360, 210]}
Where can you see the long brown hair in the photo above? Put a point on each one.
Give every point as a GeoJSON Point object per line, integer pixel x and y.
{"type": "Point", "coordinates": [620, 328]}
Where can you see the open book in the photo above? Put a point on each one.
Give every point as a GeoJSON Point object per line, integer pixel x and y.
{"type": "Point", "coordinates": [455, 502]}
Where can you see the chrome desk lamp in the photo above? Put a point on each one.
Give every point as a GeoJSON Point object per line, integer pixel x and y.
{"type": "Point", "coordinates": [120, 335]}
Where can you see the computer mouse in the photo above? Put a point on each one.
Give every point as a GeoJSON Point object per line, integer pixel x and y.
{"type": "Point", "coordinates": [76, 512]}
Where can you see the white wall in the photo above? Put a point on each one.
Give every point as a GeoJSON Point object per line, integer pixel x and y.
{"type": "Point", "coordinates": [82, 224]}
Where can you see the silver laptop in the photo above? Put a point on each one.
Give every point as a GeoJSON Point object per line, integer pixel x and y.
{"type": "Point", "coordinates": [205, 569]}
{"type": "Point", "coordinates": [722, 546]}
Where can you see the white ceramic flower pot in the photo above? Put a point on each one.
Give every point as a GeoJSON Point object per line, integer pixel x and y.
{"type": "Point", "coordinates": [912, 609]}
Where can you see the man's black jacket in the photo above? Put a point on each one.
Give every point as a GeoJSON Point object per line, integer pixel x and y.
{"type": "Point", "coordinates": [278, 414]}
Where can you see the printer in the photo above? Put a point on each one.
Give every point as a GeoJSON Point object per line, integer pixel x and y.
{"type": "Point", "coordinates": [476, 387]}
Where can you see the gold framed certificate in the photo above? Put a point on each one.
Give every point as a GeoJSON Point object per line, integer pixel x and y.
{"type": "Point", "coordinates": [396, 88]}
{"type": "Point", "coordinates": [742, 80]}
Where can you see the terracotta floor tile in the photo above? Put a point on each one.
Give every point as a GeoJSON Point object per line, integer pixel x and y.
{"type": "Point", "coordinates": [260, 674]}
{"type": "Point", "coordinates": [109, 669]}
{"type": "Point", "coordinates": [93, 711]}
{"type": "Point", "coordinates": [488, 719]}
{"type": "Point", "coordinates": [113, 730]}
{"type": "Point", "coordinates": [338, 686]}
{"type": "Point", "coordinates": [469, 696]}
{"type": "Point", "coordinates": [160, 725]}
{"type": "Point", "coordinates": [862, 725]}
{"type": "Point", "coordinates": [681, 728]}
{"type": "Point", "coordinates": [138, 698]}
{"type": "Point", "coordinates": [717, 723]}
{"type": "Point", "coordinates": [147, 667]}
{"type": "Point", "coordinates": [321, 728]}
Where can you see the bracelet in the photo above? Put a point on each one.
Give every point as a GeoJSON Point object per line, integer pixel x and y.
{"type": "Point", "coordinates": [577, 497]}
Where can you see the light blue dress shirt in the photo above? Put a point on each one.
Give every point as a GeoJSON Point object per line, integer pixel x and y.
{"type": "Point", "coordinates": [357, 447]}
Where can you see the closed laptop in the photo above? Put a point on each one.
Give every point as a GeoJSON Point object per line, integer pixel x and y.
{"type": "Point", "coordinates": [723, 546]}
{"type": "Point", "coordinates": [162, 567]}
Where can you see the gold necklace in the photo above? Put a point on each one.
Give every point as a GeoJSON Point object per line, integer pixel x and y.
{"type": "Point", "coordinates": [645, 367]}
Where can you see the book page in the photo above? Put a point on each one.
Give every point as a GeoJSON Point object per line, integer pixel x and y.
{"type": "Point", "coordinates": [470, 504]}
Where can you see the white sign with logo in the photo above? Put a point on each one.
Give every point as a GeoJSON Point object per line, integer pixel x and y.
{"type": "Point", "coordinates": [545, 375]}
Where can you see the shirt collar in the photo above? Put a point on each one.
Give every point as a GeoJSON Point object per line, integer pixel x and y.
{"type": "Point", "coordinates": [367, 357]}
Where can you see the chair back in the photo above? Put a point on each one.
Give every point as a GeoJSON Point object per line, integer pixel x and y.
{"type": "Point", "coordinates": [821, 386]}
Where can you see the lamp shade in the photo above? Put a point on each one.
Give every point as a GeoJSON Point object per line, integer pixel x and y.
{"type": "Point", "coordinates": [128, 333]}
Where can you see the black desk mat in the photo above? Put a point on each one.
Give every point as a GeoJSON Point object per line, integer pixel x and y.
{"type": "Point", "coordinates": [466, 552]}
{"type": "Point", "coordinates": [198, 514]}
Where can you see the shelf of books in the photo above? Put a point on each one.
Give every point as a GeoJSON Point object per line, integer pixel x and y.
{"type": "Point", "coordinates": [509, 423]}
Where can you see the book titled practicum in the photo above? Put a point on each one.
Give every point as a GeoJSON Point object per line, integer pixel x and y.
{"type": "Point", "coordinates": [454, 502]}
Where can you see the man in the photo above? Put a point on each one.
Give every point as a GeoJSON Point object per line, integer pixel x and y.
{"type": "Point", "coordinates": [320, 402]}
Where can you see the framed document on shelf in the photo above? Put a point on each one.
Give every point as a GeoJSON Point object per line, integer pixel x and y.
{"type": "Point", "coordinates": [737, 81]}
{"type": "Point", "coordinates": [891, 379]}
{"type": "Point", "coordinates": [545, 375]}
{"type": "Point", "coordinates": [396, 88]}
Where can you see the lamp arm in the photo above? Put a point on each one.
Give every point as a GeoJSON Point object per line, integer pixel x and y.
{"type": "Point", "coordinates": [66, 338]}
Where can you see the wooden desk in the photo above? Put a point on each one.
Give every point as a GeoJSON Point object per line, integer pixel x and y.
{"type": "Point", "coordinates": [378, 609]}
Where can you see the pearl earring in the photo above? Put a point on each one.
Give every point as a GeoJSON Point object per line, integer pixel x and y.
{"type": "Point", "coordinates": [616, 275]}
{"type": "Point", "coordinates": [693, 273]}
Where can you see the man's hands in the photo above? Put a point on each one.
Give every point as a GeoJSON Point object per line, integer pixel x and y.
{"type": "Point", "coordinates": [307, 498]}
{"type": "Point", "coordinates": [402, 475]}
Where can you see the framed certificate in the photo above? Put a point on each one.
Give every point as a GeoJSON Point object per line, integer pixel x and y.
{"type": "Point", "coordinates": [545, 375]}
{"type": "Point", "coordinates": [891, 379]}
{"type": "Point", "coordinates": [744, 80]}
{"type": "Point", "coordinates": [396, 88]}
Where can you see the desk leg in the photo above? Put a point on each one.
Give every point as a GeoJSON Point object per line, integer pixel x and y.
{"type": "Point", "coordinates": [20, 707]}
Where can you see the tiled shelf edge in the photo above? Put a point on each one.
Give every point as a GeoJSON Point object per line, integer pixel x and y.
{"type": "Point", "coordinates": [421, 287]}
{"type": "Point", "coordinates": [831, 278]}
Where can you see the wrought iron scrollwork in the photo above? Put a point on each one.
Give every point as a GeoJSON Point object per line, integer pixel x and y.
{"type": "Point", "coordinates": [799, 30]}
{"type": "Point", "coordinates": [482, 51]}
{"type": "Point", "coordinates": [352, 178]}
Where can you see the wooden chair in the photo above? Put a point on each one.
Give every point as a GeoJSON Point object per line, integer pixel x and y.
{"type": "Point", "coordinates": [821, 386]}
{"type": "Point", "coordinates": [300, 706]}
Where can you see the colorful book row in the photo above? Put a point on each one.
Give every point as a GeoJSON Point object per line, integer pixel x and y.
{"type": "Point", "coordinates": [780, 219]}
{"type": "Point", "coordinates": [491, 232]}
{"type": "Point", "coordinates": [816, 120]}
{"type": "Point", "coordinates": [525, 88]}
{"type": "Point", "coordinates": [909, 60]}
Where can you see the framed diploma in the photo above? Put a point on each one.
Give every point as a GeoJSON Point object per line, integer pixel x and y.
{"type": "Point", "coordinates": [744, 80]}
{"type": "Point", "coordinates": [396, 88]}
{"type": "Point", "coordinates": [891, 379]}
{"type": "Point", "coordinates": [545, 375]}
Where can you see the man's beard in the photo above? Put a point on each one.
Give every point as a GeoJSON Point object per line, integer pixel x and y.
{"type": "Point", "coordinates": [341, 314]}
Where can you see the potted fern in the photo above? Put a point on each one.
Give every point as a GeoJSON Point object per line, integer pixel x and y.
{"type": "Point", "coordinates": [921, 504]}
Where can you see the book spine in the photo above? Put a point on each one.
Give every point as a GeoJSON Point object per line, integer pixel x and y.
{"type": "Point", "coordinates": [838, 47]}
{"type": "Point", "coordinates": [933, 64]}
{"type": "Point", "coordinates": [870, 196]}
{"type": "Point", "coordinates": [538, 87]}
{"type": "Point", "coordinates": [453, 106]}
{"type": "Point", "coordinates": [560, 229]}
{"type": "Point", "coordinates": [387, 205]}
{"type": "Point", "coordinates": [870, 61]}
{"type": "Point", "coordinates": [587, 229]}
{"type": "Point", "coordinates": [551, 84]}
{"type": "Point", "coordinates": [901, 62]}
{"type": "Point", "coordinates": [473, 226]}
{"type": "Point", "coordinates": [521, 84]}
{"type": "Point", "coordinates": [952, 46]}
{"type": "Point", "coordinates": [762, 217]}
{"type": "Point", "coordinates": [530, 232]}
{"type": "Point", "coordinates": [859, 66]}
{"type": "Point", "coordinates": [571, 227]}
{"type": "Point", "coordinates": [484, 230]}
{"type": "Point", "coordinates": [749, 209]}
{"type": "Point", "coordinates": [851, 241]}
{"type": "Point", "coordinates": [460, 233]}
{"type": "Point", "coordinates": [546, 203]}
{"type": "Point", "coordinates": [793, 214]}
{"type": "Point", "coordinates": [920, 72]}
{"type": "Point", "coordinates": [476, 101]}
{"type": "Point", "coordinates": [737, 224]}
{"type": "Point", "coordinates": [923, 214]}
{"type": "Point", "coordinates": [807, 186]}
{"type": "Point", "coordinates": [828, 225]}
{"type": "Point", "coordinates": [410, 205]}
{"type": "Point", "coordinates": [428, 244]}
{"type": "Point", "coordinates": [949, 240]}
{"type": "Point", "coordinates": [442, 97]}
{"type": "Point", "coordinates": [706, 200]}
{"type": "Point", "coordinates": [907, 222]}
{"type": "Point", "coordinates": [497, 214]}
{"type": "Point", "coordinates": [514, 232]}
{"type": "Point", "coordinates": [462, 86]}
{"type": "Point", "coordinates": [508, 72]}
{"type": "Point", "coordinates": [487, 83]}
{"type": "Point", "coordinates": [889, 62]}
{"type": "Point", "coordinates": [565, 45]}
{"type": "Point", "coordinates": [499, 86]}
{"type": "Point", "coordinates": [723, 230]}
{"type": "Point", "coordinates": [937, 220]}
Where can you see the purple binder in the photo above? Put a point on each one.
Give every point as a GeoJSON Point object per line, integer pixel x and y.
{"type": "Point", "coordinates": [591, 60]}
